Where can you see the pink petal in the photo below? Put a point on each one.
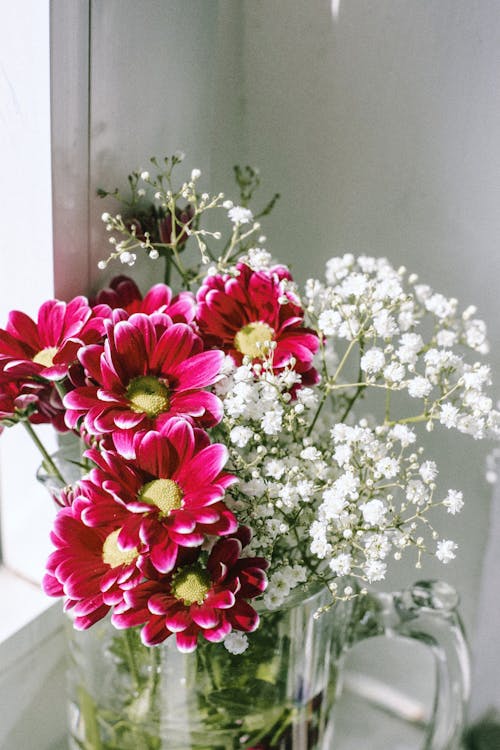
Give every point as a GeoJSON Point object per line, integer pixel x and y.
{"type": "Point", "coordinates": [221, 600]}
{"type": "Point", "coordinates": [199, 371]}
{"type": "Point", "coordinates": [126, 420]}
{"type": "Point", "coordinates": [217, 634]}
{"type": "Point", "coordinates": [154, 632]}
{"type": "Point", "coordinates": [178, 620]}
{"type": "Point", "coordinates": [22, 327]}
{"type": "Point", "coordinates": [206, 407]}
{"type": "Point", "coordinates": [158, 297]}
{"type": "Point", "coordinates": [204, 616]}
{"type": "Point", "coordinates": [175, 345]}
{"type": "Point", "coordinates": [51, 586]}
{"type": "Point", "coordinates": [164, 556]}
{"type": "Point", "coordinates": [194, 539]}
{"type": "Point", "coordinates": [206, 464]}
{"type": "Point", "coordinates": [186, 641]}
{"type": "Point", "coordinates": [243, 616]}
{"type": "Point", "coordinates": [182, 522]}
{"type": "Point", "coordinates": [86, 621]}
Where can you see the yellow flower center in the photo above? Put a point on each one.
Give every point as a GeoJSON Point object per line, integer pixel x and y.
{"type": "Point", "coordinates": [253, 339]}
{"type": "Point", "coordinates": [191, 584]}
{"type": "Point", "coordinates": [164, 493]}
{"type": "Point", "coordinates": [114, 555]}
{"type": "Point", "coordinates": [45, 357]}
{"type": "Point", "coordinates": [147, 395]}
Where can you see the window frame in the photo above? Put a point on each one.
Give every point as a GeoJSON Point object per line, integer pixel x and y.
{"type": "Point", "coordinates": [46, 63]}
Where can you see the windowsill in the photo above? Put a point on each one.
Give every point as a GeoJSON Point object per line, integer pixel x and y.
{"type": "Point", "coordinates": [32, 667]}
{"type": "Point", "coordinates": [28, 617]}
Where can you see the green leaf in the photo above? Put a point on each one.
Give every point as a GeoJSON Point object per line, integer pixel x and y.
{"type": "Point", "coordinates": [89, 714]}
{"type": "Point", "coordinates": [257, 695]}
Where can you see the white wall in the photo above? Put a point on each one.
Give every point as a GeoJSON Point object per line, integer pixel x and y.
{"type": "Point", "coordinates": [165, 76]}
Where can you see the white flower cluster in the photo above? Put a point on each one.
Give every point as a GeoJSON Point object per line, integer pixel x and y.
{"type": "Point", "coordinates": [410, 339]}
{"type": "Point", "coordinates": [377, 502]}
{"type": "Point", "coordinates": [327, 496]}
{"type": "Point", "coordinates": [256, 401]}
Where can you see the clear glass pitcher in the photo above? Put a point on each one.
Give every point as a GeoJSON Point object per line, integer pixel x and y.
{"type": "Point", "coordinates": [277, 695]}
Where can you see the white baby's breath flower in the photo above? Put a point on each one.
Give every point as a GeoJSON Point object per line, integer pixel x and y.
{"type": "Point", "coordinates": [236, 642]}
{"type": "Point", "coordinates": [310, 454]}
{"type": "Point", "coordinates": [240, 215]}
{"type": "Point", "coordinates": [373, 360]}
{"type": "Point", "coordinates": [453, 501]}
{"type": "Point", "coordinates": [385, 325]}
{"type": "Point", "coordinates": [307, 397]}
{"type": "Point", "coordinates": [373, 512]}
{"type": "Point", "coordinates": [240, 435]}
{"type": "Point", "coordinates": [374, 570]}
{"type": "Point", "coordinates": [445, 551]}
{"type": "Point", "coordinates": [394, 372]}
{"type": "Point", "coordinates": [271, 421]}
{"type": "Point", "coordinates": [428, 471]}
{"type": "Point", "coordinates": [416, 492]}
{"type": "Point", "coordinates": [404, 434]}
{"type": "Point", "coordinates": [446, 338]}
{"type": "Point", "coordinates": [448, 416]}
{"type": "Point", "coordinates": [387, 467]}
{"type": "Point", "coordinates": [340, 565]}
{"type": "Point", "coordinates": [410, 345]}
{"type": "Point", "coordinates": [273, 599]}
{"type": "Point", "coordinates": [329, 322]}
{"type": "Point", "coordinates": [419, 387]}
{"type": "Point", "coordinates": [274, 468]}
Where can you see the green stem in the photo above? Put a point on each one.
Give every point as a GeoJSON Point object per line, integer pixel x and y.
{"type": "Point", "coordinates": [408, 420]}
{"type": "Point", "coordinates": [318, 411]}
{"type": "Point", "coordinates": [359, 389]}
{"type": "Point", "coordinates": [128, 636]}
{"type": "Point", "coordinates": [46, 455]}
{"type": "Point", "coordinates": [344, 360]}
{"type": "Point", "coordinates": [168, 268]}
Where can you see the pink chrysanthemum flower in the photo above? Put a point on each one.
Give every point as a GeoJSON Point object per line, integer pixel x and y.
{"type": "Point", "coordinates": [173, 490]}
{"type": "Point", "coordinates": [45, 348]}
{"type": "Point", "coordinates": [244, 314]}
{"type": "Point", "coordinates": [197, 600]}
{"type": "Point", "coordinates": [14, 402]}
{"type": "Point", "coordinates": [124, 293]}
{"type": "Point", "coordinates": [89, 568]}
{"type": "Point", "coordinates": [29, 399]}
{"type": "Point", "coordinates": [148, 371]}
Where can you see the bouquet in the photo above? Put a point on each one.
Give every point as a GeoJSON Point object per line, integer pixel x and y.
{"type": "Point", "coordinates": [226, 458]}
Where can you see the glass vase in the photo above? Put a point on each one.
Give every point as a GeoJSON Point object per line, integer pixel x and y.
{"type": "Point", "coordinates": [277, 695]}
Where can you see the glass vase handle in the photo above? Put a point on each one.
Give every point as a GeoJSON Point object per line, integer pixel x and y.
{"type": "Point", "coordinates": [427, 612]}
